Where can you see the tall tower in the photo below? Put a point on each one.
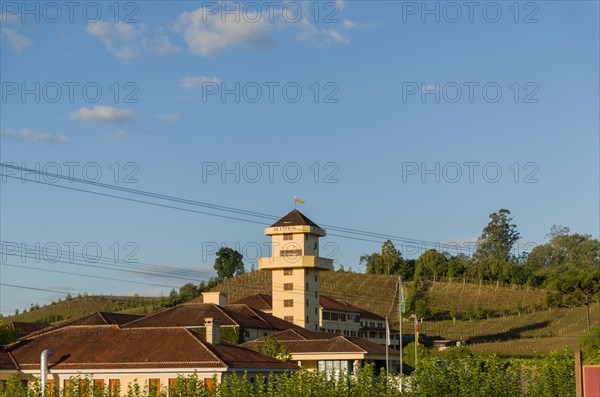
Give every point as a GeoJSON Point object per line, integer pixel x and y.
{"type": "Point", "coordinates": [295, 265]}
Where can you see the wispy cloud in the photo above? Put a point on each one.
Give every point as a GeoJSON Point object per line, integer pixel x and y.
{"type": "Point", "coordinates": [103, 114]}
{"type": "Point", "coordinates": [127, 42]}
{"type": "Point", "coordinates": [191, 82]}
{"type": "Point", "coordinates": [29, 135]}
{"type": "Point", "coordinates": [170, 117]}
{"type": "Point", "coordinates": [10, 34]}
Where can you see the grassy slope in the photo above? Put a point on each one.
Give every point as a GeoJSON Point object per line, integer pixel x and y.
{"type": "Point", "coordinates": [83, 305]}
{"type": "Point", "coordinates": [535, 330]}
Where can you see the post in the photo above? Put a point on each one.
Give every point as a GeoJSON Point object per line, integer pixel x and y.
{"type": "Point", "coordinates": [387, 343]}
{"type": "Point", "coordinates": [416, 339]}
{"type": "Point", "coordinates": [401, 302]}
{"type": "Point", "coordinates": [44, 368]}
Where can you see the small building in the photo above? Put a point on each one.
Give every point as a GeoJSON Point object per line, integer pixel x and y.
{"type": "Point", "coordinates": [109, 355]}
{"type": "Point", "coordinates": [331, 353]}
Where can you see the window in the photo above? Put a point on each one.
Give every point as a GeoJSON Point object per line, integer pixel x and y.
{"type": "Point", "coordinates": [98, 387]}
{"type": "Point", "coordinates": [343, 316]}
{"type": "Point", "coordinates": [154, 387]}
{"type": "Point", "coordinates": [316, 296]}
{"type": "Point", "coordinates": [288, 272]}
{"type": "Point", "coordinates": [208, 384]}
{"type": "Point", "coordinates": [84, 388]}
{"type": "Point", "coordinates": [49, 387]}
{"type": "Point", "coordinates": [114, 387]}
{"type": "Point", "coordinates": [316, 311]}
{"type": "Point", "coordinates": [68, 388]}
{"type": "Point", "coordinates": [288, 236]}
{"type": "Point", "coordinates": [315, 278]}
{"type": "Point", "coordinates": [307, 303]}
{"type": "Point", "coordinates": [288, 286]}
{"type": "Point", "coordinates": [247, 333]}
{"type": "Point", "coordinates": [288, 303]}
{"type": "Point", "coordinates": [307, 286]}
{"type": "Point", "coordinates": [177, 386]}
{"type": "Point", "coordinates": [326, 315]}
{"type": "Point", "coordinates": [316, 245]}
{"type": "Point", "coordinates": [307, 319]}
{"type": "Point", "coordinates": [289, 318]}
{"type": "Point", "coordinates": [296, 252]}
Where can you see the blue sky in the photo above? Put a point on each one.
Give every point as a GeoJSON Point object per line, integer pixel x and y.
{"type": "Point", "coordinates": [499, 102]}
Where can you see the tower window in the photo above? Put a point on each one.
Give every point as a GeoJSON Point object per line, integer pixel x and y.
{"type": "Point", "coordinates": [288, 236]}
{"type": "Point", "coordinates": [288, 272]}
{"type": "Point", "coordinates": [307, 303]}
{"type": "Point", "coordinates": [289, 318]}
{"type": "Point", "coordinates": [288, 303]}
{"type": "Point", "coordinates": [288, 286]}
{"type": "Point", "coordinates": [307, 319]}
{"type": "Point", "coordinates": [315, 278]}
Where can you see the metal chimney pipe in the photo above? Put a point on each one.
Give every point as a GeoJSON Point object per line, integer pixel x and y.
{"type": "Point", "coordinates": [44, 368]}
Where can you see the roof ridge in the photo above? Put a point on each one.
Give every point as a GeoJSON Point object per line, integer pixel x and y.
{"type": "Point", "coordinates": [205, 344]}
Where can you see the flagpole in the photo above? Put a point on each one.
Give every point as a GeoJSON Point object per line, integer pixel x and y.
{"type": "Point", "coordinates": [387, 342]}
{"type": "Point", "coordinates": [400, 294]}
{"type": "Point", "coordinates": [416, 339]}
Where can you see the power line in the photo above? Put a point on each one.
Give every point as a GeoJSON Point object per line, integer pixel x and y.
{"type": "Point", "coordinates": [82, 275]}
{"type": "Point", "coordinates": [425, 243]}
{"type": "Point", "coordinates": [156, 269]}
{"type": "Point", "coordinates": [35, 289]}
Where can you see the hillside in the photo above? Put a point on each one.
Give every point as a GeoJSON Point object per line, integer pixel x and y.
{"type": "Point", "coordinates": [519, 322]}
{"type": "Point", "coordinates": [77, 306]}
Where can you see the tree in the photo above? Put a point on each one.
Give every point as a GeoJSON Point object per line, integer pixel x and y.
{"type": "Point", "coordinates": [188, 292]}
{"type": "Point", "coordinates": [389, 261]}
{"type": "Point", "coordinates": [408, 356]}
{"type": "Point", "coordinates": [590, 346]}
{"type": "Point", "coordinates": [431, 263]}
{"type": "Point", "coordinates": [577, 290]}
{"type": "Point", "coordinates": [228, 263]}
{"type": "Point", "coordinates": [7, 333]}
{"type": "Point", "coordinates": [273, 348]}
{"type": "Point", "coordinates": [458, 353]}
{"type": "Point", "coordinates": [493, 256]}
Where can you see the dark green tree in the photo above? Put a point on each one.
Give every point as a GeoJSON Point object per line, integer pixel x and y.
{"type": "Point", "coordinates": [188, 292]}
{"type": "Point", "coordinates": [7, 333]}
{"type": "Point", "coordinates": [431, 263]}
{"type": "Point", "coordinates": [494, 257]}
{"type": "Point", "coordinates": [228, 263]}
{"type": "Point", "coordinates": [576, 290]}
{"type": "Point", "coordinates": [590, 346]}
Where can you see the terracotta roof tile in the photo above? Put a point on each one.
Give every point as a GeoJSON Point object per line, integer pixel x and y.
{"type": "Point", "coordinates": [112, 347]}
{"type": "Point", "coordinates": [23, 328]}
{"type": "Point", "coordinates": [257, 301]}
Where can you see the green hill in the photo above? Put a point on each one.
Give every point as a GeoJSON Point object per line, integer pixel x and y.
{"type": "Point", "coordinates": [78, 306]}
{"type": "Point", "coordinates": [491, 318]}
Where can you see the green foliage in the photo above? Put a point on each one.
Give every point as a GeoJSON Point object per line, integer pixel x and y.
{"type": "Point", "coordinates": [272, 348]}
{"type": "Point", "coordinates": [552, 376]}
{"type": "Point", "coordinates": [576, 290]}
{"type": "Point", "coordinates": [590, 346]}
{"type": "Point", "coordinates": [431, 264]}
{"type": "Point", "coordinates": [421, 309]}
{"type": "Point", "coordinates": [228, 263]}
{"type": "Point", "coordinates": [408, 356]}
{"type": "Point", "coordinates": [458, 353]}
{"type": "Point", "coordinates": [7, 333]}
{"type": "Point", "coordinates": [389, 261]}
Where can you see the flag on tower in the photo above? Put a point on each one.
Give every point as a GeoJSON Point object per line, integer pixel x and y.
{"type": "Point", "coordinates": [417, 332]}
{"type": "Point", "coordinates": [402, 301]}
{"type": "Point", "coordinates": [298, 200]}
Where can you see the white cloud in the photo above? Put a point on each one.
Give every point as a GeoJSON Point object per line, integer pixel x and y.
{"type": "Point", "coordinates": [102, 114]}
{"type": "Point", "coordinates": [29, 135]}
{"type": "Point", "coordinates": [120, 134]}
{"type": "Point", "coordinates": [126, 42]}
{"type": "Point", "coordinates": [170, 117]}
{"type": "Point", "coordinates": [207, 33]}
{"type": "Point", "coordinates": [17, 41]}
{"type": "Point", "coordinates": [191, 82]}
{"type": "Point", "coordinates": [309, 32]}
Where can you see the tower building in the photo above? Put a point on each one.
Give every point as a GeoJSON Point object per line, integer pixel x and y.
{"type": "Point", "coordinates": [295, 265]}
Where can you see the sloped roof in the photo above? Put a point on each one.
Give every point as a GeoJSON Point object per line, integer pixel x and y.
{"type": "Point", "coordinates": [112, 347]}
{"type": "Point", "coordinates": [257, 301]}
{"type": "Point", "coordinates": [321, 342]}
{"type": "Point", "coordinates": [265, 302]}
{"type": "Point", "coordinates": [193, 315]}
{"type": "Point", "coordinates": [23, 328]}
{"type": "Point", "coordinates": [295, 218]}
{"type": "Point", "coordinates": [6, 362]}
{"type": "Point", "coordinates": [96, 318]}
